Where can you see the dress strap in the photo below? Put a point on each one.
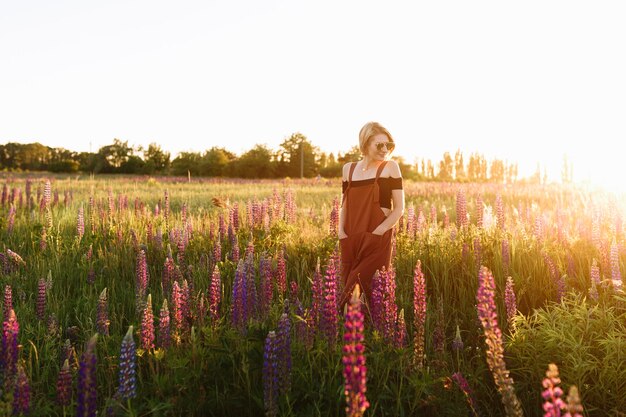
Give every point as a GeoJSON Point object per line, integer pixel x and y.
{"type": "Point", "coordinates": [351, 172]}
{"type": "Point", "coordinates": [380, 169]}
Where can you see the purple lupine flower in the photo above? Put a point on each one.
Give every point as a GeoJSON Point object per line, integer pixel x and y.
{"type": "Point", "coordinates": [552, 394]}
{"type": "Point", "coordinates": [384, 304]}
{"type": "Point", "coordinates": [419, 312]}
{"type": "Point", "coordinates": [400, 335]}
{"type": "Point", "coordinates": [8, 301]}
{"type": "Point", "coordinates": [80, 223]}
{"type": "Point", "coordinates": [281, 273]}
{"type": "Point", "coordinates": [147, 326]}
{"type": "Point", "coordinates": [283, 339]}
{"type": "Point", "coordinates": [270, 375]}
{"type": "Point", "coordinates": [616, 275]}
{"type": "Point", "coordinates": [102, 321]}
{"type": "Point", "coordinates": [164, 326]}
{"type": "Point", "coordinates": [487, 313]}
{"type": "Point", "coordinates": [41, 299]}
{"type": "Point", "coordinates": [177, 311]}
{"type": "Point", "coordinates": [251, 298]}
{"type": "Point", "coordinates": [510, 301]}
{"type": "Point", "coordinates": [506, 256]}
{"type": "Point", "coordinates": [574, 407]}
{"type": "Point", "coordinates": [128, 362]}
{"type": "Point", "coordinates": [239, 297]}
{"type": "Point", "coordinates": [64, 385]}
{"type": "Point", "coordinates": [21, 395]}
{"type": "Point", "coordinates": [462, 383]}
{"type": "Point", "coordinates": [329, 321]}
{"type": "Point", "coordinates": [87, 387]}
{"type": "Point", "coordinates": [215, 295]}
{"type": "Point", "coordinates": [377, 308]}
{"type": "Point", "coordinates": [500, 212]}
{"type": "Point", "coordinates": [354, 366]}
{"type": "Point", "coordinates": [11, 329]}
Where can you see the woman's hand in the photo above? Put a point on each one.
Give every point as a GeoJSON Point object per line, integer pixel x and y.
{"type": "Point", "coordinates": [378, 231]}
{"type": "Point", "coordinates": [342, 235]}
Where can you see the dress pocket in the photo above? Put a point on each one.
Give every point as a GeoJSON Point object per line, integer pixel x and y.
{"type": "Point", "coordinates": [369, 245]}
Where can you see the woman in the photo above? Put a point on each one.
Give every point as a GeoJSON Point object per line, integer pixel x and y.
{"type": "Point", "coordinates": [370, 186]}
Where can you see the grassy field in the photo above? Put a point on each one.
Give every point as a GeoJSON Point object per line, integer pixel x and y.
{"type": "Point", "coordinates": [205, 270]}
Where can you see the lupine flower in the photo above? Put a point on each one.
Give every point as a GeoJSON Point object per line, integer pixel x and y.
{"type": "Point", "coordinates": [270, 375]}
{"type": "Point", "coordinates": [177, 311]}
{"type": "Point", "coordinates": [419, 312]}
{"type": "Point", "coordinates": [281, 273]}
{"type": "Point", "coordinates": [41, 299]}
{"type": "Point", "coordinates": [102, 321]}
{"type": "Point", "coordinates": [480, 208]}
{"type": "Point", "coordinates": [488, 316]}
{"type": "Point", "coordinates": [21, 395]}
{"type": "Point", "coordinates": [553, 404]}
{"type": "Point", "coordinates": [128, 360]}
{"type": "Point", "coordinates": [283, 339]}
{"type": "Point", "coordinates": [477, 253]}
{"type": "Point", "coordinates": [80, 223]}
{"type": "Point", "coordinates": [239, 297]}
{"type": "Point", "coordinates": [234, 252]}
{"type": "Point", "coordinates": [147, 326]}
{"type": "Point", "coordinates": [8, 301]}
{"type": "Point", "coordinates": [500, 212]}
{"type": "Point", "coordinates": [141, 279]}
{"type": "Point", "coordinates": [505, 256]}
{"type": "Point", "coordinates": [185, 307]}
{"type": "Point", "coordinates": [616, 275]}
{"type": "Point", "coordinates": [410, 221]}
{"type": "Point", "coordinates": [354, 366]}
{"type": "Point", "coordinates": [384, 309]}
{"type": "Point", "coordinates": [64, 385]}
{"type": "Point", "coordinates": [91, 276]}
{"type": "Point", "coordinates": [201, 309]}
{"type": "Point", "coordinates": [467, 391]}
{"type": "Point", "coordinates": [509, 301]}
{"type": "Point", "coordinates": [574, 407]}
{"type": "Point", "coordinates": [461, 209]}
{"type": "Point", "coordinates": [11, 329]}
{"type": "Point", "coordinates": [166, 207]}
{"type": "Point", "coordinates": [43, 241]}
{"type": "Point", "coordinates": [329, 321]}
{"type": "Point", "coordinates": [215, 295]}
{"type": "Point", "coordinates": [267, 283]}
{"type": "Point", "coordinates": [400, 336]}
{"type": "Point", "coordinates": [47, 193]}
{"type": "Point", "coordinates": [164, 326]}
{"type": "Point", "coordinates": [217, 250]}
{"type": "Point", "coordinates": [334, 217]}
{"type": "Point", "coordinates": [87, 387]}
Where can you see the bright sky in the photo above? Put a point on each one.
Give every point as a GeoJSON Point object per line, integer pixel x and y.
{"type": "Point", "coordinates": [525, 81]}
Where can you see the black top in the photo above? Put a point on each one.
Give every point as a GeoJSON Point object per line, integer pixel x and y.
{"type": "Point", "coordinates": [385, 185]}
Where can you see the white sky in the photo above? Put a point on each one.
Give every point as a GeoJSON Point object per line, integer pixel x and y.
{"type": "Point", "coordinates": [525, 81]}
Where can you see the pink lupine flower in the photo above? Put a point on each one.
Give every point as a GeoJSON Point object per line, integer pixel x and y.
{"type": "Point", "coordinates": [64, 385]}
{"type": "Point", "coordinates": [552, 394]}
{"type": "Point", "coordinates": [616, 275]}
{"type": "Point", "coordinates": [8, 301]}
{"type": "Point", "coordinates": [400, 335]}
{"type": "Point", "coordinates": [510, 301]}
{"type": "Point", "coordinates": [500, 212]}
{"type": "Point", "coordinates": [164, 326]}
{"type": "Point", "coordinates": [21, 394]}
{"type": "Point", "coordinates": [329, 321]}
{"type": "Point", "coordinates": [488, 316]}
{"type": "Point", "coordinates": [573, 407]}
{"type": "Point", "coordinates": [102, 321]}
{"type": "Point", "coordinates": [80, 223]}
{"type": "Point", "coordinates": [147, 326]}
{"type": "Point", "coordinates": [281, 273]}
{"type": "Point", "coordinates": [461, 209]}
{"type": "Point", "coordinates": [215, 295]}
{"type": "Point", "coordinates": [334, 217]}
{"type": "Point", "coordinates": [354, 362]}
{"type": "Point", "coordinates": [11, 329]}
{"type": "Point", "coordinates": [41, 299]}
{"type": "Point", "coordinates": [480, 208]}
{"type": "Point", "coordinates": [419, 312]}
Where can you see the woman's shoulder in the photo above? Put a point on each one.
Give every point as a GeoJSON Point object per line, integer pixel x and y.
{"type": "Point", "coordinates": [392, 169]}
{"type": "Point", "coordinates": [346, 170]}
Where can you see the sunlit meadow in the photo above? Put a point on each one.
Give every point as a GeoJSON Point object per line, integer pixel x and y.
{"type": "Point", "coordinates": [163, 296]}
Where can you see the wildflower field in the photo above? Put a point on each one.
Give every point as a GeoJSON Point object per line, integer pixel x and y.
{"type": "Point", "coordinates": [167, 296]}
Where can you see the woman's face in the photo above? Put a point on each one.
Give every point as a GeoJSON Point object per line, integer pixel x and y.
{"type": "Point", "coordinates": [379, 147]}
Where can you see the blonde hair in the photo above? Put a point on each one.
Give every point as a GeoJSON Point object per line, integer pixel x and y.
{"type": "Point", "coordinates": [371, 129]}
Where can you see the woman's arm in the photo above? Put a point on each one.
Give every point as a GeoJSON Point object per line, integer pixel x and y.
{"type": "Point", "coordinates": [398, 203]}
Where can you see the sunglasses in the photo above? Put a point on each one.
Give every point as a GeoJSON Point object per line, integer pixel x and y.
{"type": "Point", "coordinates": [390, 146]}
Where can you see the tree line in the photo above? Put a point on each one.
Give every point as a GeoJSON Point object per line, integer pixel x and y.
{"type": "Point", "coordinates": [295, 157]}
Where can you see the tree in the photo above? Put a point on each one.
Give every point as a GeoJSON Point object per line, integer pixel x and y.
{"type": "Point", "coordinates": [117, 153]}
{"type": "Point", "coordinates": [156, 159]}
{"type": "Point", "coordinates": [256, 163]}
{"type": "Point", "coordinates": [187, 162]}
{"type": "Point", "coordinates": [446, 165]}
{"type": "Point", "coordinates": [459, 167]}
{"type": "Point", "coordinates": [297, 156]}
{"type": "Point", "coordinates": [215, 162]}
